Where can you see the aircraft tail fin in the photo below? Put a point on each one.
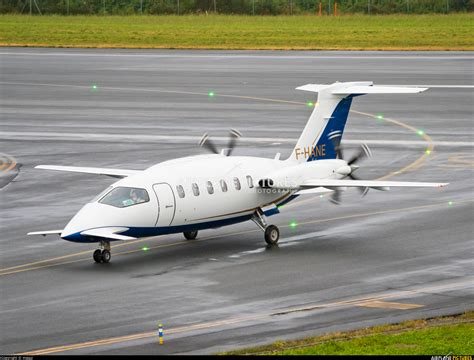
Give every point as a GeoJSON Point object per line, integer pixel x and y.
{"type": "Point", "coordinates": [325, 127]}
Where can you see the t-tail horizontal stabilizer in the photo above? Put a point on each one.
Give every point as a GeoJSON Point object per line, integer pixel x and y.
{"type": "Point", "coordinates": [323, 132]}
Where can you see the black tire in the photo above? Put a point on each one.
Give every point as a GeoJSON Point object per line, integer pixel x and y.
{"type": "Point", "coordinates": [190, 235]}
{"type": "Point", "coordinates": [97, 256]}
{"type": "Point", "coordinates": [272, 235]}
{"type": "Point", "coordinates": [106, 256]}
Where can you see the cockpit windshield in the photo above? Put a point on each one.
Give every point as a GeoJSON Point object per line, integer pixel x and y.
{"type": "Point", "coordinates": [124, 196]}
{"type": "Point", "coordinates": [98, 197]}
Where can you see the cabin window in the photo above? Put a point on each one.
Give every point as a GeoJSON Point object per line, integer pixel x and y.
{"type": "Point", "coordinates": [195, 189]}
{"type": "Point", "coordinates": [180, 190]}
{"type": "Point", "coordinates": [125, 196]}
{"type": "Point", "coordinates": [237, 184]}
{"type": "Point", "coordinates": [249, 181]}
{"type": "Point", "coordinates": [210, 188]}
{"type": "Point", "coordinates": [223, 186]}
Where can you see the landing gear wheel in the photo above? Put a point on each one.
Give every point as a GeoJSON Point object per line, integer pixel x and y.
{"type": "Point", "coordinates": [272, 234]}
{"type": "Point", "coordinates": [190, 235]}
{"type": "Point", "coordinates": [106, 256]}
{"type": "Point", "coordinates": [97, 256]}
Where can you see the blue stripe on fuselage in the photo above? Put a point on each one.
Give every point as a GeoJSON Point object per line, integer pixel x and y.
{"type": "Point", "coordinates": [139, 232]}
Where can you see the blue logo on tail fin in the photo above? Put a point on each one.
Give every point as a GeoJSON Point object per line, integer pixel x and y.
{"type": "Point", "coordinates": [332, 133]}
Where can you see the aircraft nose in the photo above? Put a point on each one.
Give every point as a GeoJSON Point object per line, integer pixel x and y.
{"type": "Point", "coordinates": [83, 220]}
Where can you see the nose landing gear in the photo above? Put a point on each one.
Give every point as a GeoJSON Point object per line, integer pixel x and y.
{"type": "Point", "coordinates": [102, 254]}
{"type": "Point", "coordinates": [272, 233]}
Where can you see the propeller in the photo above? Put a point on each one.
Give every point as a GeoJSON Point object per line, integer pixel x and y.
{"type": "Point", "coordinates": [233, 136]}
{"type": "Point", "coordinates": [364, 152]}
{"type": "Point", "coordinates": [208, 144]}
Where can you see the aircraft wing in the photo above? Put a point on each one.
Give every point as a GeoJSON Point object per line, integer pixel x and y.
{"type": "Point", "coordinates": [377, 184]}
{"type": "Point", "coordinates": [118, 173]}
{"type": "Point", "coordinates": [108, 233]}
{"type": "Point", "coordinates": [314, 190]}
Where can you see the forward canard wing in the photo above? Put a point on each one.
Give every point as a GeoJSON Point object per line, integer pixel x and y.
{"type": "Point", "coordinates": [117, 173]}
{"type": "Point", "coordinates": [112, 233]}
{"type": "Point", "coordinates": [47, 232]}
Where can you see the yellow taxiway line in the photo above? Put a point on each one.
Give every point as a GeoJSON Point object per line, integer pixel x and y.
{"type": "Point", "coordinates": [375, 301]}
{"type": "Point", "coordinates": [360, 302]}
{"type": "Point", "coordinates": [415, 164]}
{"type": "Point", "coordinates": [25, 267]}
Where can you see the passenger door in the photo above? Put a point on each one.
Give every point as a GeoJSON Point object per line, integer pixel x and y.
{"type": "Point", "coordinates": [166, 204]}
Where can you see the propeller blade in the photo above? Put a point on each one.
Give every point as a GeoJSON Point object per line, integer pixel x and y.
{"type": "Point", "coordinates": [366, 190]}
{"type": "Point", "coordinates": [336, 197]}
{"type": "Point", "coordinates": [206, 143]}
{"type": "Point", "coordinates": [339, 152]}
{"type": "Point", "coordinates": [337, 148]}
{"type": "Point", "coordinates": [233, 135]}
{"type": "Point", "coordinates": [363, 153]}
{"type": "Point", "coordinates": [363, 191]}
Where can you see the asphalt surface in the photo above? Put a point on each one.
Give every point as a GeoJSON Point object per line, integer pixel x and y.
{"type": "Point", "coordinates": [384, 258]}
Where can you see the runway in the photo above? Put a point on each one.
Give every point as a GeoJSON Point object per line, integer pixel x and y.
{"type": "Point", "coordinates": [383, 258]}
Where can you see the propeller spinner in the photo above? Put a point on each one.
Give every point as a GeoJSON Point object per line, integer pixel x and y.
{"type": "Point", "coordinates": [364, 152]}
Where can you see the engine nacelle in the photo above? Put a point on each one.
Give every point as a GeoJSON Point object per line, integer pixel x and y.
{"type": "Point", "coordinates": [292, 176]}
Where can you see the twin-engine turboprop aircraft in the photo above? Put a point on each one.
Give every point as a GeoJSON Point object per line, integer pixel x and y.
{"type": "Point", "coordinates": [209, 191]}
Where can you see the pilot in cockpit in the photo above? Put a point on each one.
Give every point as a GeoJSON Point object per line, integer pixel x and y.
{"type": "Point", "coordinates": [135, 197]}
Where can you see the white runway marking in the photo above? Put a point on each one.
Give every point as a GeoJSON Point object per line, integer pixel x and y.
{"type": "Point", "coordinates": [242, 56]}
{"type": "Point", "coordinates": [282, 243]}
{"type": "Point", "coordinates": [60, 136]}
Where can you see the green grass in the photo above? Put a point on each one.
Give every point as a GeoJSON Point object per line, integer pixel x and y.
{"type": "Point", "coordinates": [309, 32]}
{"type": "Point", "coordinates": [438, 336]}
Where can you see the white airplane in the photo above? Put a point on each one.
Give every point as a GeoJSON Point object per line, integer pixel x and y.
{"type": "Point", "coordinates": [210, 191]}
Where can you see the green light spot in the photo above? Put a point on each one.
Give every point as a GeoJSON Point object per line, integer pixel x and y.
{"type": "Point", "coordinates": [450, 203]}
{"type": "Point", "coordinates": [321, 196]}
{"type": "Point", "coordinates": [310, 104]}
{"type": "Point", "coordinates": [94, 87]}
{"type": "Point", "coordinates": [211, 94]}
{"type": "Point", "coordinates": [428, 151]}
{"type": "Point", "coordinates": [380, 116]}
{"type": "Point", "coordinates": [293, 224]}
{"type": "Point", "coordinates": [145, 248]}
{"type": "Point", "coordinates": [420, 132]}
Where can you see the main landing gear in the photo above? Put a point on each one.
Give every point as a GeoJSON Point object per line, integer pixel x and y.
{"type": "Point", "coordinates": [102, 254]}
{"type": "Point", "coordinates": [272, 233]}
{"type": "Point", "coordinates": [190, 235]}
